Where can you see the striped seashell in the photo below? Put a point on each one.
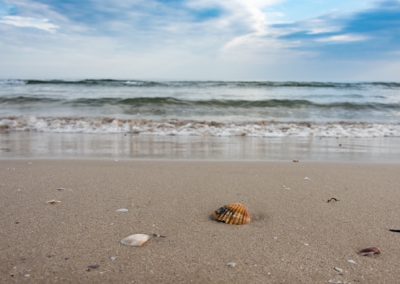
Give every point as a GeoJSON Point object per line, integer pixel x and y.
{"type": "Point", "coordinates": [234, 214]}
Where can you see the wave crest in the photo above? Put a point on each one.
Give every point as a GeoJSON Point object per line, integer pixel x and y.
{"type": "Point", "coordinates": [198, 128]}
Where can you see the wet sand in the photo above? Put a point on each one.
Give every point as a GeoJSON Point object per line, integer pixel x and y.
{"type": "Point", "coordinates": [38, 145]}
{"type": "Point", "coordinates": [295, 236]}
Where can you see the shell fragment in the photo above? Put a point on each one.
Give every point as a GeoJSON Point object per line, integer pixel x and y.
{"type": "Point", "coordinates": [136, 240]}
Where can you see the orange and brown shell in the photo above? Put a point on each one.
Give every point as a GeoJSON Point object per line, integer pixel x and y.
{"type": "Point", "coordinates": [234, 214]}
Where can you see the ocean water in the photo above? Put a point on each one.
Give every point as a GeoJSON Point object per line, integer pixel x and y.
{"type": "Point", "coordinates": [206, 108]}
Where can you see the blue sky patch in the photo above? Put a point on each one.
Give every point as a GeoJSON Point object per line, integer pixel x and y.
{"type": "Point", "coordinates": [172, 38]}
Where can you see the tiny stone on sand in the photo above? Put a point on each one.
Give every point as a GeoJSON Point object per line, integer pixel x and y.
{"type": "Point", "coordinates": [351, 261]}
{"type": "Point", "coordinates": [338, 269]}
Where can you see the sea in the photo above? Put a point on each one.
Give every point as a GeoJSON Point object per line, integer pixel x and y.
{"type": "Point", "coordinates": [207, 113]}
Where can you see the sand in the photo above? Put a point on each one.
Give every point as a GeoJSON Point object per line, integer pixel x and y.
{"type": "Point", "coordinates": [295, 235]}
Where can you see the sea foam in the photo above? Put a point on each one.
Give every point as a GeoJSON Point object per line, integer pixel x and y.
{"type": "Point", "coordinates": [197, 128]}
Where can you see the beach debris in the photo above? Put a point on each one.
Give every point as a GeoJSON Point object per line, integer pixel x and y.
{"type": "Point", "coordinates": [231, 264]}
{"type": "Point", "coordinates": [136, 240]}
{"type": "Point", "coordinates": [60, 188]}
{"type": "Point", "coordinates": [233, 214]}
{"type": "Point", "coordinates": [332, 199]}
{"type": "Point", "coordinates": [351, 261]}
{"type": "Point", "coordinates": [334, 281]}
{"type": "Point", "coordinates": [53, 201]}
{"type": "Point", "coordinates": [307, 178]}
{"type": "Point", "coordinates": [369, 251]}
{"type": "Point", "coordinates": [338, 269]}
{"type": "Point", "coordinates": [395, 230]}
{"type": "Point", "coordinates": [122, 210]}
{"type": "Point", "coordinates": [295, 161]}
{"type": "Point", "coordinates": [92, 266]}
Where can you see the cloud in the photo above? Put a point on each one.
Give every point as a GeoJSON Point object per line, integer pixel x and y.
{"type": "Point", "coordinates": [343, 38]}
{"type": "Point", "coordinates": [195, 39]}
{"type": "Point", "coordinates": [29, 22]}
{"type": "Point", "coordinates": [373, 31]}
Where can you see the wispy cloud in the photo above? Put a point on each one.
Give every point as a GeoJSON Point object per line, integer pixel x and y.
{"type": "Point", "coordinates": [366, 32]}
{"type": "Point", "coordinates": [344, 38]}
{"type": "Point", "coordinates": [29, 22]}
{"type": "Point", "coordinates": [229, 39]}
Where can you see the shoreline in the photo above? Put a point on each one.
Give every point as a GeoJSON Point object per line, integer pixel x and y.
{"type": "Point", "coordinates": [27, 145]}
{"type": "Point", "coordinates": [200, 161]}
{"type": "Point", "coordinates": [295, 235]}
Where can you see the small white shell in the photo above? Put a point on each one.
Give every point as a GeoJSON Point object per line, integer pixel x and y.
{"type": "Point", "coordinates": [135, 240]}
{"type": "Point", "coordinates": [351, 261]}
{"type": "Point", "coordinates": [122, 210]}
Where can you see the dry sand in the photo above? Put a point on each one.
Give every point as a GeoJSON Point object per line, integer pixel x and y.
{"type": "Point", "coordinates": [296, 236]}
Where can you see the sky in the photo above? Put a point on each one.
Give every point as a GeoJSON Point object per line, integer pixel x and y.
{"type": "Point", "coordinates": [314, 40]}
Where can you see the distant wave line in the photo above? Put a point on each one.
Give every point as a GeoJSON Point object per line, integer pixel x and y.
{"type": "Point", "coordinates": [171, 101]}
{"type": "Point", "coordinates": [201, 84]}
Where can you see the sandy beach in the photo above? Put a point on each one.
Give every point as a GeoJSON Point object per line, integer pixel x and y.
{"type": "Point", "coordinates": [295, 236]}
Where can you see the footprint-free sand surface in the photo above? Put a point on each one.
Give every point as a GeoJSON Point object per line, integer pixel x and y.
{"type": "Point", "coordinates": [295, 236]}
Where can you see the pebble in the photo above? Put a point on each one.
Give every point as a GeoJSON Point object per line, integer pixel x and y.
{"type": "Point", "coordinates": [351, 261]}
{"type": "Point", "coordinates": [338, 269]}
{"type": "Point", "coordinates": [307, 178]}
{"type": "Point", "coordinates": [159, 236]}
{"type": "Point", "coordinates": [231, 264]}
{"type": "Point", "coordinates": [333, 281]}
{"type": "Point", "coordinates": [53, 201]}
{"type": "Point", "coordinates": [92, 266]}
{"type": "Point", "coordinates": [113, 258]}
